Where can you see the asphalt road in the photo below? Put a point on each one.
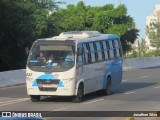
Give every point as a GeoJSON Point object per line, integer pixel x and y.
{"type": "Point", "coordinates": [140, 91]}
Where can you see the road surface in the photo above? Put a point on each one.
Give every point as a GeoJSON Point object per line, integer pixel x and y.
{"type": "Point", "coordinates": [140, 91]}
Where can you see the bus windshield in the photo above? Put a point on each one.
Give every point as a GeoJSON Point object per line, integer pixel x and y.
{"type": "Point", "coordinates": [51, 57]}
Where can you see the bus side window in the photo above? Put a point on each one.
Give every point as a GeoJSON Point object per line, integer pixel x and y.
{"type": "Point", "coordinates": [108, 49]}
{"type": "Point", "coordinates": [102, 50]}
{"type": "Point", "coordinates": [114, 48]}
{"type": "Point", "coordinates": [98, 51]}
{"type": "Point", "coordinates": [79, 55]}
{"type": "Point", "coordinates": [111, 51]}
{"type": "Point", "coordinates": [117, 46]}
{"type": "Point", "coordinates": [87, 55]}
{"type": "Point", "coordinates": [91, 46]}
{"type": "Point", "coordinates": [105, 51]}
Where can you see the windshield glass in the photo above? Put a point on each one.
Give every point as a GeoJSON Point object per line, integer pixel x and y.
{"type": "Point", "coordinates": [51, 57]}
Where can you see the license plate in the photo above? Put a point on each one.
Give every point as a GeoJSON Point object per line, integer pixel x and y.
{"type": "Point", "coordinates": [49, 85]}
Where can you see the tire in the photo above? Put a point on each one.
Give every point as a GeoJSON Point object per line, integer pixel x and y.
{"type": "Point", "coordinates": [107, 90]}
{"type": "Point", "coordinates": [35, 98]}
{"type": "Point", "coordinates": [79, 97]}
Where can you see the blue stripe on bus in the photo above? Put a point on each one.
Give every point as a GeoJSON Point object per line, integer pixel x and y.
{"type": "Point", "coordinates": [106, 74]}
{"type": "Point", "coordinates": [104, 78]}
{"type": "Point", "coordinates": [46, 77]}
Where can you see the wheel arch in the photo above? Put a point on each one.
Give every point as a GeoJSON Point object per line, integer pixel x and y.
{"type": "Point", "coordinates": [105, 80]}
{"type": "Point", "coordinates": [81, 81]}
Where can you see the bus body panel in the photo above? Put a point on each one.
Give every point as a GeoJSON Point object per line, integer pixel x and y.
{"type": "Point", "coordinates": [116, 70]}
{"type": "Point", "coordinates": [65, 87]}
{"type": "Point", "coordinates": [95, 75]}
{"type": "Point", "coordinates": [92, 78]}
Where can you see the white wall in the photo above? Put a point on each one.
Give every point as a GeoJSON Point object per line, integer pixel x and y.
{"type": "Point", "coordinates": [14, 77]}
{"type": "Point", "coordinates": [135, 63]}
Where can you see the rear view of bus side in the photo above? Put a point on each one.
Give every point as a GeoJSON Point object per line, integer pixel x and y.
{"type": "Point", "coordinates": [82, 62]}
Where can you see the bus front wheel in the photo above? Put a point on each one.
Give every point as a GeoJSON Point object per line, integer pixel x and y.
{"type": "Point", "coordinates": [79, 97]}
{"type": "Point", "coordinates": [107, 90]}
{"type": "Point", "coordinates": [35, 98]}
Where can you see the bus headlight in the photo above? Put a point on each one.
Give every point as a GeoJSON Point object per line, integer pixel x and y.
{"type": "Point", "coordinates": [68, 80]}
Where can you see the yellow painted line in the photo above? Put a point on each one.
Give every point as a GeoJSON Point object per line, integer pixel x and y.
{"type": "Point", "coordinates": [48, 118]}
{"type": "Point", "coordinates": [129, 118]}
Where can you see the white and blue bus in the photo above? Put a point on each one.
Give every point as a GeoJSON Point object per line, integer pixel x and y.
{"type": "Point", "coordinates": [74, 64]}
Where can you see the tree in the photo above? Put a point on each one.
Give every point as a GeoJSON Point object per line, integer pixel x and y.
{"type": "Point", "coordinates": [105, 19]}
{"type": "Point", "coordinates": [153, 33]}
{"type": "Point", "coordinates": [21, 22]}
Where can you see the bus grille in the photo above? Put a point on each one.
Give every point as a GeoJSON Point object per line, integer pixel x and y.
{"type": "Point", "coordinates": [47, 85]}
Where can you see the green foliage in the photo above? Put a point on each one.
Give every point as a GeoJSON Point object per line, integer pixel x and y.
{"type": "Point", "coordinates": [142, 51]}
{"type": "Point", "coordinates": [119, 29]}
{"type": "Point", "coordinates": [153, 33]}
{"type": "Point", "coordinates": [72, 18]}
{"type": "Point", "coordinates": [21, 22]}
{"type": "Point", "coordinates": [134, 54]}
{"type": "Point", "coordinates": [152, 53]}
{"type": "Point", "coordinates": [105, 19]}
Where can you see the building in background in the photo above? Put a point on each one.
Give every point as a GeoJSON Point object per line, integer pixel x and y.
{"type": "Point", "coordinates": [135, 45]}
{"type": "Point", "coordinates": [155, 17]}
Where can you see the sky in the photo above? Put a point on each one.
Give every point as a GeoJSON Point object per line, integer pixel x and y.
{"type": "Point", "coordinates": [137, 9]}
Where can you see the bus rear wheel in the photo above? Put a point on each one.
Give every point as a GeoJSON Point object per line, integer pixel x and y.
{"type": "Point", "coordinates": [35, 98]}
{"type": "Point", "coordinates": [80, 93]}
{"type": "Point", "coordinates": [107, 90]}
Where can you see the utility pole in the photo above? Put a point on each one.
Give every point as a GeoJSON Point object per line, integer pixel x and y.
{"type": "Point", "coordinates": [138, 49]}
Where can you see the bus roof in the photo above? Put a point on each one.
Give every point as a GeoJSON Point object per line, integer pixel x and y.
{"type": "Point", "coordinates": [82, 36]}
